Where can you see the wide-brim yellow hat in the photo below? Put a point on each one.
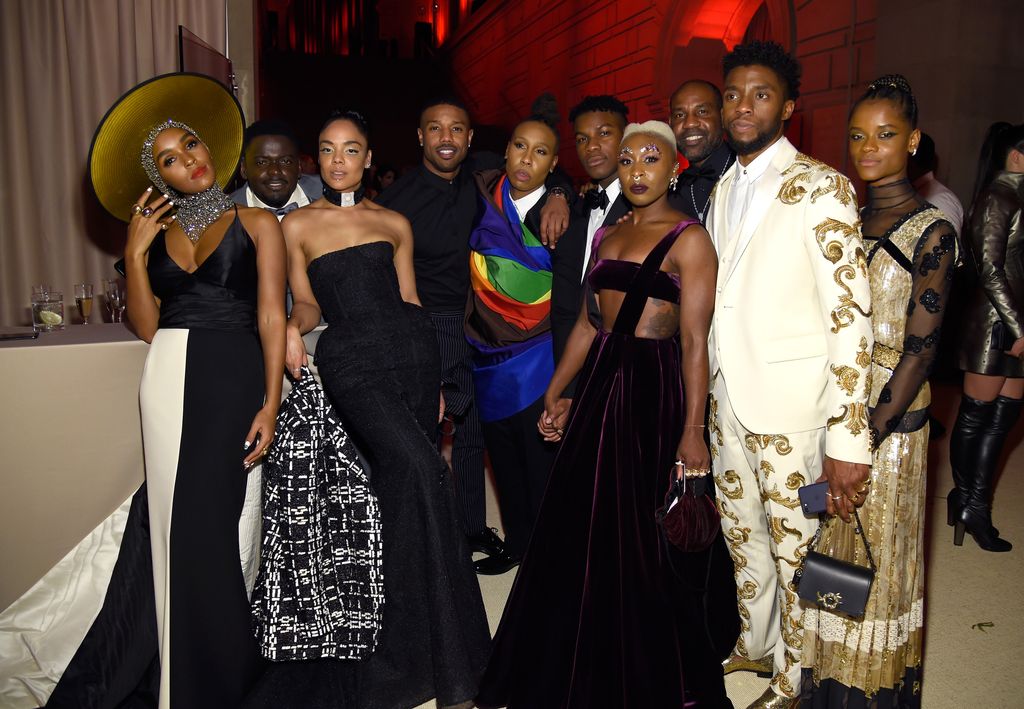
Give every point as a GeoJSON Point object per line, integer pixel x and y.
{"type": "Point", "coordinates": [203, 103]}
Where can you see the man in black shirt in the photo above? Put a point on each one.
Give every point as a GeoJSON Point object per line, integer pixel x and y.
{"type": "Point", "coordinates": [695, 114]}
{"type": "Point", "coordinates": [439, 198]}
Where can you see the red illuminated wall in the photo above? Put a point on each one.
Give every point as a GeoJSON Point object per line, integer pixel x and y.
{"type": "Point", "coordinates": [506, 53]}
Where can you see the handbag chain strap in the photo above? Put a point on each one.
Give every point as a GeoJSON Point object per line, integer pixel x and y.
{"type": "Point", "coordinates": [860, 531]}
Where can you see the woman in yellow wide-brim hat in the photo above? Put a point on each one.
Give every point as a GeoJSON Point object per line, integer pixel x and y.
{"type": "Point", "coordinates": [206, 283]}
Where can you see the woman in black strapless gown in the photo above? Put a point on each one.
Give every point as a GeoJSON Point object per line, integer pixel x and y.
{"type": "Point", "coordinates": [378, 358]}
{"type": "Point", "coordinates": [597, 615]}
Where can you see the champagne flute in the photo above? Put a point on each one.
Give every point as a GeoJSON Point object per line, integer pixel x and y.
{"type": "Point", "coordinates": [115, 299]}
{"type": "Point", "coordinates": [83, 299]}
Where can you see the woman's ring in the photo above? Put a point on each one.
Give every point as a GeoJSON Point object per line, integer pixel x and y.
{"type": "Point", "coordinates": [165, 227]}
{"type": "Point", "coordinates": [147, 212]}
{"type": "Point", "coordinates": [837, 498]}
{"type": "Point", "coordinates": [136, 209]}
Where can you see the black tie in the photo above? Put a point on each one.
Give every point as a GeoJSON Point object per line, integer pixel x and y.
{"type": "Point", "coordinates": [596, 198]}
{"type": "Point", "coordinates": [290, 207]}
{"type": "Point", "coordinates": [704, 171]}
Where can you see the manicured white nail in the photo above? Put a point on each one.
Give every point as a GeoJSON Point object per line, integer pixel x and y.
{"type": "Point", "coordinates": [246, 445]}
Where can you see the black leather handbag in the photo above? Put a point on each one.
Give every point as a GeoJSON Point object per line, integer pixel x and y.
{"type": "Point", "coordinates": [835, 585]}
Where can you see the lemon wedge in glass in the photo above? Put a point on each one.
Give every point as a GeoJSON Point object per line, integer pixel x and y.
{"type": "Point", "coordinates": [50, 318]}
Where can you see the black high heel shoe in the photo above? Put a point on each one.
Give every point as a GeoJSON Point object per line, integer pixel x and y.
{"type": "Point", "coordinates": [979, 524]}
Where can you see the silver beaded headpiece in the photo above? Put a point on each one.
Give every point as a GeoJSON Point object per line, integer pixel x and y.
{"type": "Point", "coordinates": [194, 212]}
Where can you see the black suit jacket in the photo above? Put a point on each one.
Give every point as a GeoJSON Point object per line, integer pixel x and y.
{"type": "Point", "coordinates": [567, 267]}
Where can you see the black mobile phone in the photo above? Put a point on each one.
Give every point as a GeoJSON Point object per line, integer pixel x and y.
{"type": "Point", "coordinates": [812, 498]}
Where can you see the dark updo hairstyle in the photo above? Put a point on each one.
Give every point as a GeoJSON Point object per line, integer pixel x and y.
{"type": "Point", "coordinates": [894, 88]}
{"type": "Point", "coordinates": [545, 110]}
{"type": "Point", "coordinates": [1000, 139]}
{"type": "Point", "coordinates": [354, 117]}
{"type": "Point", "coordinates": [766, 54]}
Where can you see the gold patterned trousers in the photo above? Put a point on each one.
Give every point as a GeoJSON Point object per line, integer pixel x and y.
{"type": "Point", "coordinates": [757, 476]}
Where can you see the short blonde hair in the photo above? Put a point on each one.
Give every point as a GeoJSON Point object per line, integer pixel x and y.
{"type": "Point", "coordinates": [655, 129]}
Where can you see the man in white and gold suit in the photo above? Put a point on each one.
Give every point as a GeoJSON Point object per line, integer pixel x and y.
{"type": "Point", "coordinates": [790, 351]}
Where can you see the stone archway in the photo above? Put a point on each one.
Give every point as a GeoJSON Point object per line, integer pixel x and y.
{"type": "Point", "coordinates": [696, 34]}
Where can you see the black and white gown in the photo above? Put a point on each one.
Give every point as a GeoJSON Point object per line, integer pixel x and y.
{"type": "Point", "coordinates": [201, 387]}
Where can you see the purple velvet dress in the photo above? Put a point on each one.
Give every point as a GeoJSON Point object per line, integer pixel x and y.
{"type": "Point", "coordinates": [599, 615]}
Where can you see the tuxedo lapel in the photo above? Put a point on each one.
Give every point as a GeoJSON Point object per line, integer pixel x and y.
{"type": "Point", "coordinates": [620, 207]}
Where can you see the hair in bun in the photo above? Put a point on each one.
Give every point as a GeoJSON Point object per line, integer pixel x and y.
{"type": "Point", "coordinates": [895, 88]}
{"type": "Point", "coordinates": [545, 110]}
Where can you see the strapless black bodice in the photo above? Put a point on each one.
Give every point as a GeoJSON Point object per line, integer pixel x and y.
{"type": "Point", "coordinates": [219, 295]}
{"type": "Point", "coordinates": [371, 331]}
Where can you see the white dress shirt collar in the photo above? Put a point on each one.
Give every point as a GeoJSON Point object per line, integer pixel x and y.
{"type": "Point", "coordinates": [758, 165]}
{"type": "Point", "coordinates": [525, 204]}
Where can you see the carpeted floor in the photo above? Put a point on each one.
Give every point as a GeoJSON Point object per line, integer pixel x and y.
{"type": "Point", "coordinates": [974, 624]}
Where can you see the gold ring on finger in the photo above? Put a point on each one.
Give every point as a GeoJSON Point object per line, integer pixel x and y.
{"type": "Point", "coordinates": [165, 226]}
{"type": "Point", "coordinates": [136, 209]}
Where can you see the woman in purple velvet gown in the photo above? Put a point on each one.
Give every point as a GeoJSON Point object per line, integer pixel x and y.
{"type": "Point", "coordinates": [595, 617]}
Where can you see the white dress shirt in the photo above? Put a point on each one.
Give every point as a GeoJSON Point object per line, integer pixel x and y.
{"type": "Point", "coordinates": [597, 217]}
{"type": "Point", "coordinates": [742, 190]}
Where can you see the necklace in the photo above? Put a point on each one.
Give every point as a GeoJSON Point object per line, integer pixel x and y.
{"type": "Point", "coordinates": [890, 196]}
{"type": "Point", "coordinates": [693, 197]}
{"type": "Point", "coordinates": [343, 199]}
{"type": "Point", "coordinates": [195, 212]}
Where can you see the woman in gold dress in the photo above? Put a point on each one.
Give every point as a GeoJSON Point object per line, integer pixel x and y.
{"type": "Point", "coordinates": [875, 661]}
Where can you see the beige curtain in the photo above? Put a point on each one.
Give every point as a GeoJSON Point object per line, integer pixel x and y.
{"type": "Point", "coordinates": [62, 64]}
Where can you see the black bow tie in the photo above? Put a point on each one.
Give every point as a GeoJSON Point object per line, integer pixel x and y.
{"type": "Point", "coordinates": [596, 199]}
{"type": "Point", "coordinates": [290, 207]}
{"type": "Point", "coordinates": [704, 171]}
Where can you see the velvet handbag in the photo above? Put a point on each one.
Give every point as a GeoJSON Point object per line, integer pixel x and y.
{"type": "Point", "coordinates": [835, 585]}
{"type": "Point", "coordinates": [689, 519]}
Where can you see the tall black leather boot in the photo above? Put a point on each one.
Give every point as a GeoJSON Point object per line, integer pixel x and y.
{"type": "Point", "coordinates": [976, 515]}
{"type": "Point", "coordinates": [972, 420]}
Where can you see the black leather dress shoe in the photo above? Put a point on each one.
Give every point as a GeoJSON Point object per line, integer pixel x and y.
{"type": "Point", "coordinates": [497, 564]}
{"type": "Point", "coordinates": [486, 541]}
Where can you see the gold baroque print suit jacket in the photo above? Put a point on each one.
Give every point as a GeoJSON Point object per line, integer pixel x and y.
{"type": "Point", "coordinates": [792, 329]}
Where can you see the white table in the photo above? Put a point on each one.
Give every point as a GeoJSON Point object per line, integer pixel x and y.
{"type": "Point", "coordinates": [71, 443]}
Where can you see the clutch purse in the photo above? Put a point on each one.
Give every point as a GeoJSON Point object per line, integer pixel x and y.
{"type": "Point", "coordinates": [835, 585]}
{"type": "Point", "coordinates": [689, 518]}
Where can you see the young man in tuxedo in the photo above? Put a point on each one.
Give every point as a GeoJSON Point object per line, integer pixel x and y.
{"type": "Point", "coordinates": [598, 122]}
{"type": "Point", "coordinates": [790, 353]}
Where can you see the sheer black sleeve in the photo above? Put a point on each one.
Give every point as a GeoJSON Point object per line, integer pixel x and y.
{"type": "Point", "coordinates": [934, 261]}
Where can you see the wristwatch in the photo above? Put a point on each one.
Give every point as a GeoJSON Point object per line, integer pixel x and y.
{"type": "Point", "coordinates": [559, 191]}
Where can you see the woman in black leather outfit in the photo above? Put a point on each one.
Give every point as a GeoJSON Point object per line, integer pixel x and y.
{"type": "Point", "coordinates": [993, 336]}
{"type": "Point", "coordinates": [378, 358]}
